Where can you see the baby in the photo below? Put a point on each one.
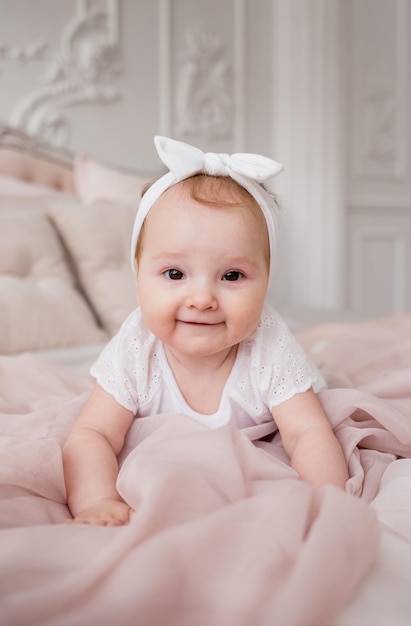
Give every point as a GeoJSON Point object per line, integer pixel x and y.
{"type": "Point", "coordinates": [202, 342]}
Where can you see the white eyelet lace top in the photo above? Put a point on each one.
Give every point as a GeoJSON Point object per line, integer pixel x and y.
{"type": "Point", "coordinates": [270, 367]}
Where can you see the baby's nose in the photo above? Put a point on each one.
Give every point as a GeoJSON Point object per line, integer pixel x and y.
{"type": "Point", "coordinates": [202, 296]}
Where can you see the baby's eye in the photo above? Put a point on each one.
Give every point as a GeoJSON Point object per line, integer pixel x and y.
{"type": "Point", "coordinates": [174, 274]}
{"type": "Point", "coordinates": [233, 275]}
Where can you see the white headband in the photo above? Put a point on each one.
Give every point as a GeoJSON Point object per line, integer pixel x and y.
{"type": "Point", "coordinates": [183, 161]}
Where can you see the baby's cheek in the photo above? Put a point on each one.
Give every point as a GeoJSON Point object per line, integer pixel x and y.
{"type": "Point", "coordinates": [251, 316]}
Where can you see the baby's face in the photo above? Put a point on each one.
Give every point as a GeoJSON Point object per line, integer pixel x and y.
{"type": "Point", "coordinates": [202, 275]}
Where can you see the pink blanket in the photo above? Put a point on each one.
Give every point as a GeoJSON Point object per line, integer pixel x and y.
{"type": "Point", "coordinates": [224, 534]}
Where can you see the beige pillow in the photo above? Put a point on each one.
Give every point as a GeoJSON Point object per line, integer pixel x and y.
{"type": "Point", "coordinates": [94, 180]}
{"type": "Point", "coordinates": [40, 308]}
{"type": "Point", "coordinates": [98, 239]}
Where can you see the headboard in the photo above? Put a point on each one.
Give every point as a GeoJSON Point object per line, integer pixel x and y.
{"type": "Point", "coordinates": [27, 158]}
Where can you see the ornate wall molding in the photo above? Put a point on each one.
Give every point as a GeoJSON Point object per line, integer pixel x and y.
{"type": "Point", "coordinates": [204, 99]}
{"type": "Point", "coordinates": [34, 51]}
{"type": "Point", "coordinates": [83, 70]}
{"type": "Point", "coordinates": [378, 266]}
{"type": "Point", "coordinates": [384, 111]}
{"type": "Point", "coordinates": [202, 84]}
{"type": "Point", "coordinates": [378, 130]}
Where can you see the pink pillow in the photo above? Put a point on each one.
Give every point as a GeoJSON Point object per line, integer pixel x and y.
{"type": "Point", "coordinates": [94, 180]}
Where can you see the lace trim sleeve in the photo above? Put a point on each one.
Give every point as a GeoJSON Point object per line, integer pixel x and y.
{"type": "Point", "coordinates": [114, 368]}
{"type": "Point", "coordinates": [283, 367]}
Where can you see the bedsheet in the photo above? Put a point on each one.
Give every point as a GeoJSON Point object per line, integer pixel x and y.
{"type": "Point", "coordinates": [223, 533]}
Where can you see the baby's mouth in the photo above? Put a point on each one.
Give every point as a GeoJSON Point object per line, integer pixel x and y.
{"type": "Point", "coordinates": [199, 323]}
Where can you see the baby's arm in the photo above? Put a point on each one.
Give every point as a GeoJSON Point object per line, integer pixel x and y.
{"type": "Point", "coordinates": [307, 436]}
{"type": "Point", "coordinates": [90, 461]}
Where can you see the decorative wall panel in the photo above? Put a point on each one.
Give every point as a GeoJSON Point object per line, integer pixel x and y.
{"type": "Point", "coordinates": [203, 68]}
{"type": "Point", "coordinates": [81, 71]}
{"type": "Point", "coordinates": [379, 257]}
{"type": "Point", "coordinates": [379, 76]}
{"type": "Point", "coordinates": [204, 99]}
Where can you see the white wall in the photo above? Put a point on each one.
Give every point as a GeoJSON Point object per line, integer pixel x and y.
{"type": "Point", "coordinates": [321, 85]}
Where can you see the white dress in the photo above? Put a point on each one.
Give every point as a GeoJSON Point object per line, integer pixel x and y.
{"type": "Point", "coordinates": [270, 367]}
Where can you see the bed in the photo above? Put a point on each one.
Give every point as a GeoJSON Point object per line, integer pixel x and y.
{"type": "Point", "coordinates": [224, 533]}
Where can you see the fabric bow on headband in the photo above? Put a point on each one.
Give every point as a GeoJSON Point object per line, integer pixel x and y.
{"type": "Point", "coordinates": [183, 161]}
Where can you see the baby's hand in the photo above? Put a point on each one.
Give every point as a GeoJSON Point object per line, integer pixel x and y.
{"type": "Point", "coordinates": [104, 513]}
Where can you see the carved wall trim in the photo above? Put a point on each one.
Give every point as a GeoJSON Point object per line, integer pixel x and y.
{"type": "Point", "coordinates": [374, 249]}
{"type": "Point", "coordinates": [385, 111]}
{"type": "Point", "coordinates": [34, 51]}
{"type": "Point", "coordinates": [203, 93]}
{"type": "Point", "coordinates": [83, 70]}
{"type": "Point", "coordinates": [204, 98]}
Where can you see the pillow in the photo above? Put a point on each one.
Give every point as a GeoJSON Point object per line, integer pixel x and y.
{"type": "Point", "coordinates": [15, 187]}
{"type": "Point", "coordinates": [98, 239]}
{"type": "Point", "coordinates": [40, 308]}
{"type": "Point", "coordinates": [94, 180]}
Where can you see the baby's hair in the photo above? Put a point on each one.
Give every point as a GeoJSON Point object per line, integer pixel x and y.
{"type": "Point", "coordinates": [219, 191]}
